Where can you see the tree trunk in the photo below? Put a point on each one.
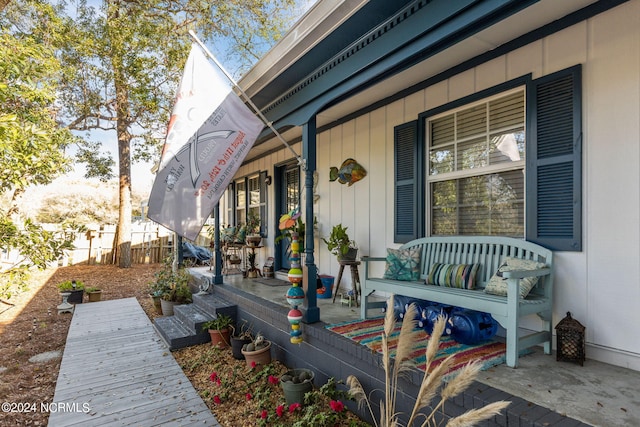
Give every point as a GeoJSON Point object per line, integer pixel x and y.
{"type": "Point", "coordinates": [124, 159]}
{"type": "Point", "coordinates": [124, 148]}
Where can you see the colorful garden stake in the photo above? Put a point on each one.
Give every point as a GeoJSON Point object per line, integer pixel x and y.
{"type": "Point", "coordinates": [295, 294]}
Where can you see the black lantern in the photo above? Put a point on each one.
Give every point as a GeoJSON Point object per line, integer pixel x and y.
{"type": "Point", "coordinates": [570, 340]}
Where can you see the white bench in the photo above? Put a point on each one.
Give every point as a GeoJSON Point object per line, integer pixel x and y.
{"type": "Point", "coordinates": [489, 252]}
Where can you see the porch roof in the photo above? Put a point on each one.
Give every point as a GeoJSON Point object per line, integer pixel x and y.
{"type": "Point", "coordinates": [341, 60]}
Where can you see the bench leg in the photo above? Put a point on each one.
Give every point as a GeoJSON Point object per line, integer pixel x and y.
{"type": "Point", "coordinates": [512, 347]}
{"type": "Point", "coordinates": [547, 327]}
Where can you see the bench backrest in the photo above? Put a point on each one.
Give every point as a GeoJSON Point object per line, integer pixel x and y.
{"type": "Point", "coordinates": [488, 251]}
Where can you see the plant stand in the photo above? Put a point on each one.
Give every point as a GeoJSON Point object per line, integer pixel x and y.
{"type": "Point", "coordinates": [355, 279]}
{"type": "Point", "coordinates": [65, 307]}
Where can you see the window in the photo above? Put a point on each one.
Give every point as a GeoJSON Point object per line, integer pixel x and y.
{"type": "Point", "coordinates": [476, 168]}
{"type": "Point", "coordinates": [506, 161]}
{"type": "Point", "coordinates": [249, 197]}
{"type": "Point", "coordinates": [241, 202]}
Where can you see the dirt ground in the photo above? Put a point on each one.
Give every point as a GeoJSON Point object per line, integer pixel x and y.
{"type": "Point", "coordinates": [33, 326]}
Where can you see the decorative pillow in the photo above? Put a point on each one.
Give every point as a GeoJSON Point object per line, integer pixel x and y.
{"type": "Point", "coordinates": [498, 285]}
{"type": "Point", "coordinates": [461, 276]}
{"type": "Point", "coordinates": [403, 264]}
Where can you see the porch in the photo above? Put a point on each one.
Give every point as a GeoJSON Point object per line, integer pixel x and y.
{"type": "Point", "coordinates": [542, 390]}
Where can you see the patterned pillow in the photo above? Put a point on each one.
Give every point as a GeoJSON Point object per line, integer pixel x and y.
{"type": "Point", "coordinates": [403, 264]}
{"type": "Point", "coordinates": [498, 285]}
{"type": "Point", "coordinates": [461, 276]}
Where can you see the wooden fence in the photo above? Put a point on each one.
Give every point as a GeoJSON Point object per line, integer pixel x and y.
{"type": "Point", "coordinates": [150, 244]}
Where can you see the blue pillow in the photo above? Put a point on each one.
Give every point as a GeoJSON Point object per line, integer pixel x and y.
{"type": "Point", "coordinates": [403, 264]}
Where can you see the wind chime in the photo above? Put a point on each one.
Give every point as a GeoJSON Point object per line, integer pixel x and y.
{"type": "Point", "coordinates": [295, 294]}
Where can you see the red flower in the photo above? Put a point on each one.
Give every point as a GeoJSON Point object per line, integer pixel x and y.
{"type": "Point", "coordinates": [273, 380]}
{"type": "Point", "coordinates": [213, 376]}
{"type": "Point", "coordinates": [249, 396]}
{"type": "Point", "coordinates": [253, 364]}
{"type": "Point", "coordinates": [293, 407]}
{"type": "Point", "coordinates": [217, 400]}
{"type": "Point", "coordinates": [280, 410]}
{"type": "Point", "coordinates": [336, 406]}
{"type": "Point", "coordinates": [264, 414]}
{"type": "Point", "coordinates": [218, 381]}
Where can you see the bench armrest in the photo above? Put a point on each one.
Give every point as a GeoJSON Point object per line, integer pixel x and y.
{"type": "Point", "coordinates": [372, 258]}
{"type": "Point", "coordinates": [519, 274]}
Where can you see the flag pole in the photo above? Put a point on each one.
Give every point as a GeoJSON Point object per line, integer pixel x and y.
{"type": "Point", "coordinates": [246, 97]}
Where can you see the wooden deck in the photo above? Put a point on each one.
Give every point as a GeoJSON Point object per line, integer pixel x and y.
{"type": "Point", "coordinates": [115, 370]}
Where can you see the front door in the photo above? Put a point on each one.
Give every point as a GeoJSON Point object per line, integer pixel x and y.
{"type": "Point", "coordinates": [288, 199]}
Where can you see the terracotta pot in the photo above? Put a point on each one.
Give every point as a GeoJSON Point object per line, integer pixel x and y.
{"type": "Point", "coordinates": [259, 357]}
{"type": "Point", "coordinates": [220, 338]}
{"type": "Point", "coordinates": [95, 296]}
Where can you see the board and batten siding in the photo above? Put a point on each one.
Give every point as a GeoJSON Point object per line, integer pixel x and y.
{"type": "Point", "coordinates": [600, 285]}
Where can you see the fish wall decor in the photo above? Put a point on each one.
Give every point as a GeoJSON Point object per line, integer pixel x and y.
{"type": "Point", "coordinates": [349, 173]}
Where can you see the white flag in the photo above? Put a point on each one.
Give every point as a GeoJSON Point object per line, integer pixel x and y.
{"type": "Point", "coordinates": [210, 133]}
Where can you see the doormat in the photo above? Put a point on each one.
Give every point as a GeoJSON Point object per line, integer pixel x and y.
{"type": "Point", "coordinates": [369, 333]}
{"type": "Point", "coordinates": [270, 281]}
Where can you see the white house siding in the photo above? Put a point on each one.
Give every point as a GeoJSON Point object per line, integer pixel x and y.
{"type": "Point", "coordinates": [600, 286]}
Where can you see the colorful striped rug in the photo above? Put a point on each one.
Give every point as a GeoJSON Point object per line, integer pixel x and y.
{"type": "Point", "coordinates": [369, 333]}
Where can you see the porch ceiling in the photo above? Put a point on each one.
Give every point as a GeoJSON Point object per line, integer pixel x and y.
{"type": "Point", "coordinates": [346, 104]}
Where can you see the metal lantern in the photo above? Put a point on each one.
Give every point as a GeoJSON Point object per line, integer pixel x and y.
{"type": "Point", "coordinates": [570, 340]}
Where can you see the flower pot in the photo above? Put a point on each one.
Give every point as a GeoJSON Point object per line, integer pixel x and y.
{"type": "Point", "coordinates": [351, 255]}
{"type": "Point", "coordinates": [254, 240]}
{"type": "Point", "coordinates": [167, 307]}
{"type": "Point", "coordinates": [75, 297]}
{"type": "Point", "coordinates": [220, 338]}
{"type": "Point", "coordinates": [157, 305]}
{"type": "Point", "coordinates": [260, 357]}
{"type": "Point", "coordinates": [294, 392]}
{"type": "Point", "coordinates": [236, 346]}
{"type": "Point", "coordinates": [95, 296]}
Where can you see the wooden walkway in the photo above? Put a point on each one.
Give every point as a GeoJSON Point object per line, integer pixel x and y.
{"type": "Point", "coordinates": [115, 370]}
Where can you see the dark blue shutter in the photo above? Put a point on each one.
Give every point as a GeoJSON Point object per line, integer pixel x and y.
{"type": "Point", "coordinates": [406, 182]}
{"type": "Point", "coordinates": [554, 161]}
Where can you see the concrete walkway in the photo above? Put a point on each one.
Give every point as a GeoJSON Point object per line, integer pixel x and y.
{"type": "Point", "coordinates": [115, 370]}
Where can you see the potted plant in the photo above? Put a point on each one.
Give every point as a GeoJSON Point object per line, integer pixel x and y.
{"type": "Point", "coordinates": [340, 244]}
{"type": "Point", "coordinates": [239, 338]}
{"type": "Point", "coordinates": [219, 330]}
{"type": "Point", "coordinates": [75, 289]}
{"type": "Point", "coordinates": [257, 352]}
{"type": "Point", "coordinates": [295, 384]}
{"type": "Point", "coordinates": [177, 291]}
{"type": "Point", "coordinates": [252, 267]}
{"type": "Point", "coordinates": [253, 237]}
{"type": "Point", "coordinates": [94, 294]}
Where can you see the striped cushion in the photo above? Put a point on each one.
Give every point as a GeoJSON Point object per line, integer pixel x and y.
{"type": "Point", "coordinates": [453, 275]}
